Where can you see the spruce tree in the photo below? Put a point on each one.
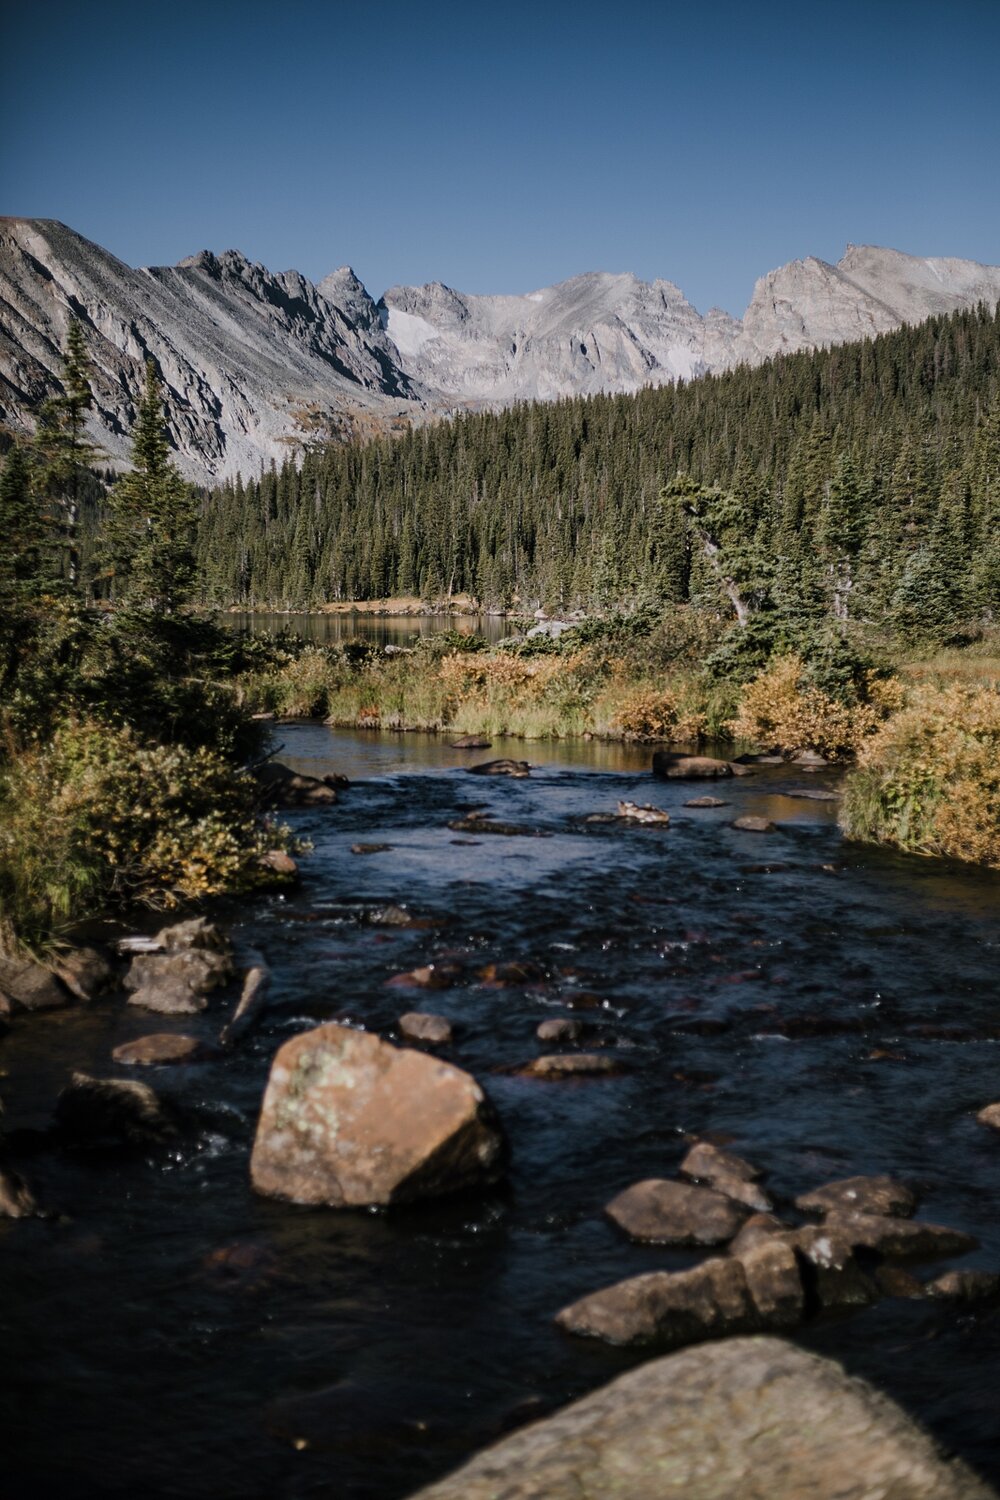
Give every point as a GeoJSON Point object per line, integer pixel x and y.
{"type": "Point", "coordinates": [63, 454]}
{"type": "Point", "coordinates": [153, 517]}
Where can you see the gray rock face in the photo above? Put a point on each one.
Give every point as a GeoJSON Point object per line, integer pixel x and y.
{"type": "Point", "coordinates": [753, 1418]}
{"type": "Point", "coordinates": [252, 358]}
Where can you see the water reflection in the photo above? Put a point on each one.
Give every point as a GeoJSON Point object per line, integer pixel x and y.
{"type": "Point", "coordinates": [327, 629]}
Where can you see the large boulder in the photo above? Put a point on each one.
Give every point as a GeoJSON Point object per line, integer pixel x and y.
{"type": "Point", "coordinates": [349, 1120]}
{"type": "Point", "coordinates": [747, 1419]}
{"type": "Point", "coordinates": [27, 985]}
{"type": "Point", "coordinates": [675, 1213]}
{"type": "Point", "coordinates": [676, 767]}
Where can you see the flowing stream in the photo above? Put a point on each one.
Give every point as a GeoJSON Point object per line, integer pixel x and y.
{"type": "Point", "coordinates": [828, 1009]}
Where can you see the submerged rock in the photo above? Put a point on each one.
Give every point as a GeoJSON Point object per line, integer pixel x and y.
{"type": "Point", "coordinates": [753, 825]}
{"type": "Point", "coordinates": [96, 1112]}
{"type": "Point", "coordinates": [675, 1213]}
{"type": "Point", "coordinates": [747, 1419]}
{"type": "Point", "coordinates": [572, 1065]}
{"type": "Point", "coordinates": [503, 767]}
{"type": "Point", "coordinates": [17, 1201]}
{"type": "Point", "coordinates": [966, 1286]}
{"type": "Point", "coordinates": [471, 742]}
{"type": "Point", "coordinates": [865, 1195]}
{"type": "Point", "coordinates": [635, 812]}
{"type": "Point", "coordinates": [675, 767]}
{"type": "Point", "coordinates": [705, 802]}
{"type": "Point", "coordinates": [349, 1120]}
{"type": "Point", "coordinates": [159, 1048]}
{"type": "Point", "coordinates": [484, 823]}
{"type": "Point", "coordinates": [559, 1029]}
{"type": "Point", "coordinates": [370, 848]}
{"type": "Point", "coordinates": [423, 1026]}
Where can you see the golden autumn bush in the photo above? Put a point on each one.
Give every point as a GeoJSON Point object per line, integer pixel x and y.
{"type": "Point", "coordinates": [95, 818]}
{"type": "Point", "coordinates": [928, 780]}
{"type": "Point", "coordinates": [781, 710]}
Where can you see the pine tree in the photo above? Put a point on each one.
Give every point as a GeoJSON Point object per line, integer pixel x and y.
{"type": "Point", "coordinates": [153, 517]}
{"type": "Point", "coordinates": [63, 454]}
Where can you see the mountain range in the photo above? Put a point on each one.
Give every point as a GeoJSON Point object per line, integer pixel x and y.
{"type": "Point", "coordinates": [253, 362]}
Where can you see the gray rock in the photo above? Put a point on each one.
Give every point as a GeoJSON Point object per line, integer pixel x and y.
{"type": "Point", "coordinates": [27, 985]}
{"type": "Point", "coordinates": [900, 1239]}
{"type": "Point", "coordinates": [176, 982]}
{"type": "Point", "coordinates": [422, 1026]}
{"type": "Point", "coordinates": [667, 1308]}
{"type": "Point", "coordinates": [573, 1065]}
{"type": "Point", "coordinates": [746, 1419]}
{"type": "Point", "coordinates": [502, 767]}
{"type": "Point", "coordinates": [751, 824]}
{"type": "Point", "coordinates": [661, 1212]}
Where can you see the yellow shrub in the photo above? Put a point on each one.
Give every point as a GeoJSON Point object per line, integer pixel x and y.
{"type": "Point", "coordinates": [780, 711]}
{"type": "Point", "coordinates": [929, 779]}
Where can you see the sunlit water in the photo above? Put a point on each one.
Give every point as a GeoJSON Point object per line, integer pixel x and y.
{"type": "Point", "coordinates": [830, 1010]}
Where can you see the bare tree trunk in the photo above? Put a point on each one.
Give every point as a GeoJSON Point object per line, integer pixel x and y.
{"type": "Point", "coordinates": [712, 551]}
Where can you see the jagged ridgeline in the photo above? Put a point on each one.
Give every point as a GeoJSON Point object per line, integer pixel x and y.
{"type": "Point", "coordinates": [863, 481]}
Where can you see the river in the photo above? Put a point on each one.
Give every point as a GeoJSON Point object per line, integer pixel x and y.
{"type": "Point", "coordinates": [830, 1010]}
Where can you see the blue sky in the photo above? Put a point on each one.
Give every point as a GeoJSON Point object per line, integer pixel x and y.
{"type": "Point", "coordinates": [501, 148]}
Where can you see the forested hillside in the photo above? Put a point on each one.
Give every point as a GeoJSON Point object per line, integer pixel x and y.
{"type": "Point", "coordinates": [862, 480]}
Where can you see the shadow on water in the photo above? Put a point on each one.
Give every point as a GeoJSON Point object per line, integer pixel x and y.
{"type": "Point", "coordinates": [829, 1009]}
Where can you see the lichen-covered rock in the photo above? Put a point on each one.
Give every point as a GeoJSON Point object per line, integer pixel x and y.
{"type": "Point", "coordinates": [349, 1120]}
{"type": "Point", "coordinates": [746, 1419]}
{"type": "Point", "coordinates": [675, 1213]}
{"type": "Point", "coordinates": [863, 1195]}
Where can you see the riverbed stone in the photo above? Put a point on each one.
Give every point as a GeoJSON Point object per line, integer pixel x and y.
{"type": "Point", "coordinates": [471, 742]}
{"type": "Point", "coordinates": [865, 1195]}
{"type": "Point", "coordinates": [424, 1026]}
{"type": "Point", "coordinates": [745, 1419]}
{"type": "Point", "coordinates": [559, 1029]}
{"type": "Point", "coordinates": [752, 824]}
{"type": "Point", "coordinates": [676, 767]}
{"type": "Point", "coordinates": [666, 1308]}
{"type": "Point", "coordinates": [965, 1286]}
{"type": "Point", "coordinates": [97, 1112]}
{"type": "Point", "coordinates": [643, 812]}
{"type": "Point", "coordinates": [706, 802]}
{"type": "Point", "coordinates": [990, 1116]}
{"type": "Point", "coordinates": [900, 1239]}
{"type": "Point", "coordinates": [349, 1120]}
{"type": "Point", "coordinates": [658, 1211]}
{"type": "Point", "coordinates": [705, 1162]}
{"type": "Point", "coordinates": [503, 767]}
{"type": "Point", "coordinates": [831, 1274]}
{"type": "Point", "coordinates": [177, 982]}
{"type": "Point", "coordinates": [17, 1201]}
{"type": "Point", "coordinates": [27, 985]}
{"type": "Point", "coordinates": [85, 972]}
{"type": "Point", "coordinates": [758, 1228]}
{"type": "Point", "coordinates": [426, 977]}
{"type": "Point", "coordinates": [573, 1065]}
{"type": "Point", "coordinates": [774, 1280]}
{"type": "Point", "coordinates": [280, 786]}
{"type": "Point", "coordinates": [158, 1049]}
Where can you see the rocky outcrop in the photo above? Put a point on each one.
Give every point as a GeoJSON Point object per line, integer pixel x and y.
{"type": "Point", "coordinates": [754, 1418]}
{"type": "Point", "coordinates": [349, 1121]}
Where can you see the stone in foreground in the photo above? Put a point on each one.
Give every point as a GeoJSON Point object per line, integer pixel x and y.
{"type": "Point", "coordinates": [661, 1212]}
{"type": "Point", "coordinates": [351, 1121]}
{"type": "Point", "coordinates": [863, 1195]}
{"type": "Point", "coordinates": [747, 1419]}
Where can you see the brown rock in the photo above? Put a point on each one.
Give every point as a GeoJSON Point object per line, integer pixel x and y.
{"type": "Point", "coordinates": [158, 1048]}
{"type": "Point", "coordinates": [560, 1029]}
{"type": "Point", "coordinates": [745, 1419]}
{"type": "Point", "coordinates": [830, 1273]}
{"type": "Point", "coordinates": [753, 825]}
{"type": "Point", "coordinates": [253, 999]}
{"type": "Point", "coordinates": [370, 848]}
{"type": "Point", "coordinates": [280, 786]}
{"type": "Point", "coordinates": [676, 767]}
{"type": "Point", "coordinates": [675, 1213]}
{"type": "Point", "coordinates": [510, 973]}
{"type": "Point", "coordinates": [504, 767]}
{"type": "Point", "coordinates": [990, 1116]}
{"type": "Point", "coordinates": [198, 933]}
{"type": "Point", "coordinates": [279, 862]}
{"type": "Point", "coordinates": [27, 985]}
{"type": "Point", "coordinates": [864, 1195]}
{"type": "Point", "coordinates": [112, 1112]}
{"type": "Point", "coordinates": [572, 1065]}
{"type": "Point", "coordinates": [667, 1308]}
{"type": "Point", "coordinates": [422, 1026]}
{"type": "Point", "coordinates": [900, 1239]}
{"type": "Point", "coordinates": [427, 977]}
{"type": "Point", "coordinates": [645, 812]}
{"type": "Point", "coordinates": [705, 1162]}
{"type": "Point", "coordinates": [391, 916]}
{"type": "Point", "coordinates": [757, 1229]}
{"type": "Point", "coordinates": [774, 1280]}
{"type": "Point", "coordinates": [350, 1120]}
{"type": "Point", "coordinates": [966, 1286]}
{"type": "Point", "coordinates": [85, 972]}
{"type": "Point", "coordinates": [706, 802]}
{"type": "Point", "coordinates": [17, 1201]}
{"type": "Point", "coordinates": [893, 1281]}
{"type": "Point", "coordinates": [471, 742]}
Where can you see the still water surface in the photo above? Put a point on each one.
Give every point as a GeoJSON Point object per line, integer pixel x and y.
{"type": "Point", "coordinates": [827, 1009]}
{"type": "Point", "coordinates": [382, 630]}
